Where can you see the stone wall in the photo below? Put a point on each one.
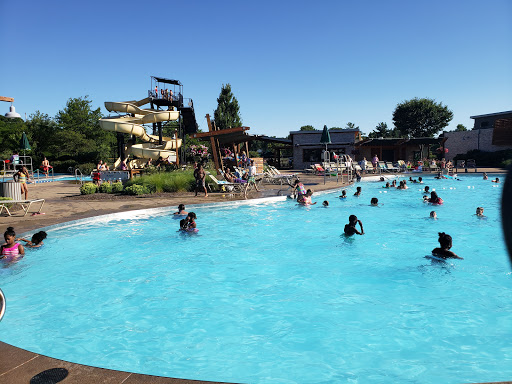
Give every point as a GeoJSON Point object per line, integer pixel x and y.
{"type": "Point", "coordinates": [462, 142]}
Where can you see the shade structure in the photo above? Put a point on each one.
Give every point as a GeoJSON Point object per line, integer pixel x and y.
{"type": "Point", "coordinates": [326, 137]}
{"type": "Point", "coordinates": [24, 144]}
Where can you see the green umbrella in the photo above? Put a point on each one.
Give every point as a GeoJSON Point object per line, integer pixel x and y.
{"type": "Point", "coordinates": [24, 144]}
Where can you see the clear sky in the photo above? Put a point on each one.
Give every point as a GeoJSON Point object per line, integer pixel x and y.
{"type": "Point", "coordinates": [289, 63]}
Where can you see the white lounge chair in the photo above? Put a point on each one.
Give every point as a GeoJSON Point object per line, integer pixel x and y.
{"type": "Point", "coordinates": [25, 204]}
{"type": "Point", "coordinates": [391, 167]}
{"type": "Point", "coordinates": [230, 187]}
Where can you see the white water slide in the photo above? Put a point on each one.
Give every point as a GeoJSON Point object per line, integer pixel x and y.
{"type": "Point", "coordinates": [132, 125]}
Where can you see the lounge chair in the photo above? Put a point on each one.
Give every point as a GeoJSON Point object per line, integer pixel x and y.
{"type": "Point", "coordinates": [25, 205]}
{"type": "Point", "coordinates": [382, 167]}
{"type": "Point", "coordinates": [391, 167]}
{"type": "Point", "coordinates": [230, 187]}
{"type": "Point", "coordinates": [471, 164]}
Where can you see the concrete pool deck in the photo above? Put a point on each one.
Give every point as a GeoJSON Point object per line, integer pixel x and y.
{"type": "Point", "coordinates": [64, 203]}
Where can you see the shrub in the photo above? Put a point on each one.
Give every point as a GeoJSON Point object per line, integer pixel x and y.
{"type": "Point", "coordinates": [62, 166]}
{"type": "Point", "coordinates": [86, 168]}
{"type": "Point", "coordinates": [6, 198]}
{"type": "Point", "coordinates": [117, 187]}
{"type": "Point", "coordinates": [489, 159]}
{"type": "Point", "coordinates": [137, 189]}
{"type": "Point", "coordinates": [105, 187]}
{"type": "Point", "coordinates": [88, 189]}
{"type": "Point", "coordinates": [175, 181]}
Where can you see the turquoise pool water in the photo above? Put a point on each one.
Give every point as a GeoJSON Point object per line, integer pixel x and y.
{"type": "Point", "coordinates": [269, 292]}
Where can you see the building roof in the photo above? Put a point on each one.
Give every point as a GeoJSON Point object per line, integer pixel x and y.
{"type": "Point", "coordinates": [319, 131]}
{"type": "Point", "coordinates": [383, 142]}
{"type": "Point", "coordinates": [278, 140]}
{"type": "Point", "coordinates": [491, 114]}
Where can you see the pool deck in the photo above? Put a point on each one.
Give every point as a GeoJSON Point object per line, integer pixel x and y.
{"type": "Point", "coordinates": [64, 203]}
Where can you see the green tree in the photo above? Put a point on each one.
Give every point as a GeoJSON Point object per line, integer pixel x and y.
{"type": "Point", "coordinates": [227, 114]}
{"type": "Point", "coordinates": [41, 131]}
{"type": "Point", "coordinates": [307, 128]}
{"type": "Point", "coordinates": [381, 130]}
{"type": "Point", "coordinates": [460, 128]}
{"type": "Point", "coordinates": [421, 117]}
{"type": "Point", "coordinates": [10, 135]}
{"type": "Point", "coordinates": [351, 126]}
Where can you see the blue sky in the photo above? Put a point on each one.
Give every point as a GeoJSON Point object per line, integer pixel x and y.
{"type": "Point", "coordinates": [290, 63]}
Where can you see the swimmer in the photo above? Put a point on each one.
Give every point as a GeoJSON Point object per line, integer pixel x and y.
{"type": "Point", "coordinates": [298, 189]}
{"type": "Point", "coordinates": [393, 184]}
{"type": "Point", "coordinates": [381, 178]}
{"type": "Point", "coordinates": [480, 211]}
{"type": "Point", "coordinates": [350, 228]}
{"type": "Point", "coordinates": [343, 194]}
{"type": "Point", "coordinates": [11, 250]}
{"type": "Point", "coordinates": [374, 202]}
{"type": "Point", "coordinates": [445, 241]}
{"type": "Point", "coordinates": [387, 185]}
{"type": "Point", "coordinates": [485, 176]}
{"type": "Point", "coordinates": [306, 199]}
{"type": "Point", "coordinates": [433, 215]}
{"type": "Point", "coordinates": [496, 181]}
{"type": "Point", "coordinates": [440, 176]}
{"type": "Point", "coordinates": [427, 189]}
{"type": "Point", "coordinates": [36, 241]}
{"type": "Point", "coordinates": [181, 210]}
{"type": "Point", "coordinates": [420, 180]}
{"type": "Point", "coordinates": [434, 199]}
{"type": "Point", "coordinates": [188, 223]}
{"type": "Point", "coordinates": [325, 204]}
{"type": "Point", "coordinates": [358, 176]}
{"type": "Point", "coordinates": [358, 191]}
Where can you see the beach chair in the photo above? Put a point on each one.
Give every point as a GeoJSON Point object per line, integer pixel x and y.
{"type": "Point", "coordinates": [382, 167]}
{"type": "Point", "coordinates": [234, 188]}
{"type": "Point", "coordinates": [433, 167]}
{"type": "Point", "coordinates": [319, 170]}
{"type": "Point", "coordinates": [391, 167]}
{"type": "Point", "coordinates": [25, 205]}
{"type": "Point", "coordinates": [471, 164]}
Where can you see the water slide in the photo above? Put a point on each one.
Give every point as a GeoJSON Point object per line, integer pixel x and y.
{"type": "Point", "coordinates": [132, 124]}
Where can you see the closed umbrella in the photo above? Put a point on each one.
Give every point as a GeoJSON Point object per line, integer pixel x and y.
{"type": "Point", "coordinates": [326, 139]}
{"type": "Point", "coordinates": [24, 144]}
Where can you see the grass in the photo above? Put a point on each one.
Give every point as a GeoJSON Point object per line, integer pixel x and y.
{"type": "Point", "coordinates": [175, 181]}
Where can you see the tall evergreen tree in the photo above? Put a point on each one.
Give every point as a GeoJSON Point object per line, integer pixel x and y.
{"type": "Point", "coordinates": [227, 114]}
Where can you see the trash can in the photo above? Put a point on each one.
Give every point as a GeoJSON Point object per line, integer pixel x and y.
{"type": "Point", "coordinates": [10, 189]}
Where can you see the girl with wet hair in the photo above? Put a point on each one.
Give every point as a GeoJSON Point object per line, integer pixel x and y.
{"type": "Point", "coordinates": [445, 242]}
{"type": "Point", "coordinates": [11, 250]}
{"type": "Point", "coordinates": [36, 241]}
{"type": "Point", "coordinates": [434, 199]}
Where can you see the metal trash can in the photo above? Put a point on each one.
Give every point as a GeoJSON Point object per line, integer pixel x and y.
{"type": "Point", "coordinates": [10, 189]}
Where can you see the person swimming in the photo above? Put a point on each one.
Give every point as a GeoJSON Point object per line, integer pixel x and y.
{"type": "Point", "coordinates": [480, 211]}
{"type": "Point", "coordinates": [11, 251]}
{"type": "Point", "coordinates": [36, 241]}
{"type": "Point", "coordinates": [485, 176]}
{"type": "Point", "coordinates": [497, 180]}
{"type": "Point", "coordinates": [445, 242]}
{"type": "Point", "coordinates": [343, 194]}
{"type": "Point", "coordinates": [427, 189]}
{"type": "Point", "coordinates": [325, 204]}
{"type": "Point", "coordinates": [350, 228]}
{"type": "Point", "coordinates": [387, 185]}
{"type": "Point", "coordinates": [188, 224]}
{"type": "Point", "coordinates": [433, 215]}
{"type": "Point", "coordinates": [358, 191]}
{"type": "Point", "coordinates": [374, 202]}
{"type": "Point", "coordinates": [306, 199]}
{"type": "Point", "coordinates": [181, 210]}
{"type": "Point", "coordinates": [434, 199]}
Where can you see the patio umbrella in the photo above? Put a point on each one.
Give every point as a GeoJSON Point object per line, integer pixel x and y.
{"type": "Point", "coordinates": [24, 144]}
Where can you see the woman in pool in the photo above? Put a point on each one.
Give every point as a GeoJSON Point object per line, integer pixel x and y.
{"type": "Point", "coordinates": [36, 241]}
{"type": "Point", "coordinates": [181, 210]}
{"type": "Point", "coordinates": [358, 192]}
{"type": "Point", "coordinates": [188, 224]}
{"type": "Point", "coordinates": [445, 242]}
{"type": "Point", "coordinates": [434, 199]}
{"type": "Point", "coordinates": [393, 184]}
{"type": "Point", "coordinates": [22, 177]}
{"type": "Point", "coordinates": [11, 251]}
{"type": "Point", "coordinates": [350, 228]}
{"type": "Point", "coordinates": [343, 194]}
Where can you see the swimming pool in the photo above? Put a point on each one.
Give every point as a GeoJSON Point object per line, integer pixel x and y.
{"type": "Point", "coordinates": [269, 292]}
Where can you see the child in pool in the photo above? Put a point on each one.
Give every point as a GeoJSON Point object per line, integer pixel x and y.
{"type": "Point", "coordinates": [181, 210]}
{"type": "Point", "coordinates": [374, 202]}
{"type": "Point", "coordinates": [325, 204]}
{"type": "Point", "coordinates": [427, 189]}
{"type": "Point", "coordinates": [434, 199]}
{"type": "Point", "coordinates": [11, 250]}
{"type": "Point", "coordinates": [393, 184]}
{"type": "Point", "coordinates": [350, 228]}
{"type": "Point", "coordinates": [445, 241]}
{"type": "Point", "coordinates": [433, 215]}
{"type": "Point", "coordinates": [480, 211]}
{"type": "Point", "coordinates": [485, 176]}
{"type": "Point", "coordinates": [496, 181]}
{"type": "Point", "coordinates": [358, 192]}
{"type": "Point", "coordinates": [306, 199]}
{"type": "Point", "coordinates": [188, 223]}
{"type": "Point", "coordinates": [387, 185]}
{"type": "Point", "coordinates": [343, 194]}
{"type": "Point", "coordinates": [36, 241]}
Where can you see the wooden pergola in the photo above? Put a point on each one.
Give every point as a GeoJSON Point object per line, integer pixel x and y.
{"type": "Point", "coordinates": [226, 138]}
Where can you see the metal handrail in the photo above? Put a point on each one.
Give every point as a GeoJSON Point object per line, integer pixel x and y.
{"type": "Point", "coordinates": [78, 171]}
{"type": "Point", "coordinates": [2, 305]}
